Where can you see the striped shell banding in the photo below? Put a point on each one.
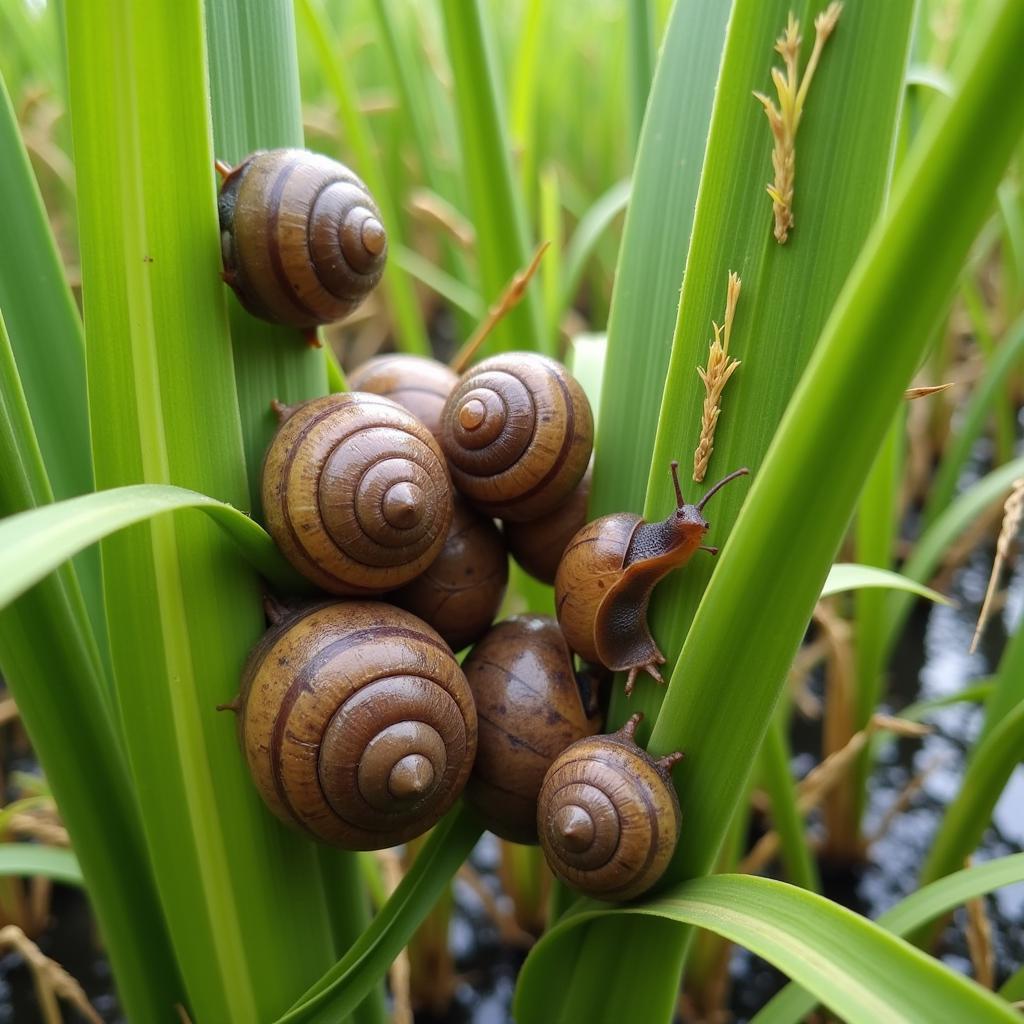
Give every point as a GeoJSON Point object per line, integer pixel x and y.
{"type": "Point", "coordinates": [302, 239]}
{"type": "Point", "coordinates": [517, 433]}
{"type": "Point", "coordinates": [608, 816]}
{"type": "Point", "coordinates": [355, 493]}
{"type": "Point", "coordinates": [357, 724]}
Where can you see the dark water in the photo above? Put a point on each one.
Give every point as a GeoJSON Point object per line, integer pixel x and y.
{"type": "Point", "coordinates": [932, 662]}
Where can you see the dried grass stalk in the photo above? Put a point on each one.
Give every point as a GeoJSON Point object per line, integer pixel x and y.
{"type": "Point", "coordinates": [1013, 514]}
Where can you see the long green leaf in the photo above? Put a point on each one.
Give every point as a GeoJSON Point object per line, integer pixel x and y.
{"type": "Point", "coordinates": [254, 97]}
{"type": "Point", "coordinates": [496, 205]}
{"type": "Point", "coordinates": [793, 1003]}
{"type": "Point", "coordinates": [34, 543]}
{"type": "Point", "coordinates": [845, 576]}
{"type": "Point", "coordinates": [344, 986]}
{"type": "Point", "coordinates": [860, 971]}
{"type": "Point", "coordinates": [49, 660]}
{"type": "Point", "coordinates": [30, 860]}
{"type": "Point", "coordinates": [237, 888]}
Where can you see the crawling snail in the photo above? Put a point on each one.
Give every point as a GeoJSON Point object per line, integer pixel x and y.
{"type": "Point", "coordinates": [302, 238]}
{"type": "Point", "coordinates": [531, 706]}
{"type": "Point", "coordinates": [460, 593]}
{"type": "Point", "coordinates": [604, 581]}
{"type": "Point", "coordinates": [357, 723]}
{"type": "Point", "coordinates": [517, 433]}
{"type": "Point", "coordinates": [608, 815]}
{"type": "Point", "coordinates": [355, 493]}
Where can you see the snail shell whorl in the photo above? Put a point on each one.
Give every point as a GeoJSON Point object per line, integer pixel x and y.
{"type": "Point", "coordinates": [356, 493]}
{"type": "Point", "coordinates": [517, 433]}
{"type": "Point", "coordinates": [529, 708]}
{"type": "Point", "coordinates": [357, 724]}
{"type": "Point", "coordinates": [302, 237]}
{"type": "Point", "coordinates": [608, 816]}
{"type": "Point", "coordinates": [420, 385]}
{"type": "Point", "coordinates": [462, 590]}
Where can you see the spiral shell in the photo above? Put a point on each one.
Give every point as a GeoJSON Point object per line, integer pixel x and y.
{"type": "Point", "coordinates": [420, 385]}
{"type": "Point", "coordinates": [517, 433]}
{"type": "Point", "coordinates": [460, 593]}
{"type": "Point", "coordinates": [608, 816]}
{"type": "Point", "coordinates": [538, 546]}
{"type": "Point", "coordinates": [355, 493]}
{"type": "Point", "coordinates": [302, 239]}
{"type": "Point", "coordinates": [530, 708]}
{"type": "Point", "coordinates": [357, 724]}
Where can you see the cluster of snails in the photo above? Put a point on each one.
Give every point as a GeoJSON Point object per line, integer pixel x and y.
{"type": "Point", "coordinates": [358, 723]}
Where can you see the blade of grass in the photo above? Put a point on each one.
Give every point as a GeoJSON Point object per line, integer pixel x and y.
{"type": "Point", "coordinates": [497, 208]}
{"type": "Point", "coordinates": [245, 915]}
{"type": "Point", "coordinates": [411, 334]}
{"type": "Point", "coordinates": [793, 1003]}
{"type": "Point", "coordinates": [30, 860]}
{"type": "Point", "coordinates": [533, 42]}
{"type": "Point", "coordinates": [254, 97]}
{"type": "Point", "coordinates": [860, 971]}
{"type": "Point", "coordinates": [640, 34]}
{"type": "Point", "coordinates": [50, 663]}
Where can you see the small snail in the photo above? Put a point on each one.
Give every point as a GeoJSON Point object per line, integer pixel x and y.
{"type": "Point", "coordinates": [530, 708]}
{"type": "Point", "coordinates": [357, 723]}
{"type": "Point", "coordinates": [420, 385]}
{"type": "Point", "coordinates": [538, 546]}
{"type": "Point", "coordinates": [606, 576]}
{"type": "Point", "coordinates": [302, 239]}
{"type": "Point", "coordinates": [460, 593]}
{"type": "Point", "coordinates": [355, 493]}
{"type": "Point", "coordinates": [608, 815]}
{"type": "Point", "coordinates": [517, 433]}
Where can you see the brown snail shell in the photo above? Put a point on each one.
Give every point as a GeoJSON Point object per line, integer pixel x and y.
{"type": "Point", "coordinates": [517, 433]}
{"type": "Point", "coordinates": [530, 708]}
{"type": "Point", "coordinates": [355, 493]}
{"type": "Point", "coordinates": [605, 578]}
{"type": "Point", "coordinates": [357, 724]}
{"type": "Point", "coordinates": [608, 815]}
{"type": "Point", "coordinates": [462, 590]}
{"type": "Point", "coordinates": [538, 546]}
{"type": "Point", "coordinates": [420, 385]}
{"type": "Point", "coordinates": [302, 238]}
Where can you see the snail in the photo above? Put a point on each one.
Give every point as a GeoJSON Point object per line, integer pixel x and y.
{"type": "Point", "coordinates": [420, 385]}
{"type": "Point", "coordinates": [608, 815]}
{"type": "Point", "coordinates": [517, 433]}
{"type": "Point", "coordinates": [357, 723]}
{"type": "Point", "coordinates": [606, 576]}
{"type": "Point", "coordinates": [530, 707]}
{"type": "Point", "coordinates": [460, 593]}
{"type": "Point", "coordinates": [538, 546]}
{"type": "Point", "coordinates": [302, 239]}
{"type": "Point", "coordinates": [355, 493]}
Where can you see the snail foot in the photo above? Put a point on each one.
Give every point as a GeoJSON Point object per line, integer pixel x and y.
{"type": "Point", "coordinates": [651, 668]}
{"type": "Point", "coordinates": [710, 550]}
{"type": "Point", "coordinates": [235, 705]}
{"type": "Point", "coordinates": [223, 169]}
{"type": "Point", "coordinates": [312, 338]}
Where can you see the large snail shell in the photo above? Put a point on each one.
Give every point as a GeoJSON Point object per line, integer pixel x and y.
{"type": "Point", "coordinates": [460, 593]}
{"type": "Point", "coordinates": [608, 816]}
{"type": "Point", "coordinates": [420, 385]}
{"type": "Point", "coordinates": [530, 709]}
{"type": "Point", "coordinates": [356, 493]}
{"type": "Point", "coordinates": [302, 238]}
{"type": "Point", "coordinates": [357, 724]}
{"type": "Point", "coordinates": [538, 546]}
{"type": "Point", "coordinates": [517, 433]}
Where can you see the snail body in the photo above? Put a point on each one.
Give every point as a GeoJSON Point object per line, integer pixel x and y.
{"type": "Point", "coordinates": [605, 578]}
{"type": "Point", "coordinates": [530, 708]}
{"type": "Point", "coordinates": [460, 593]}
{"type": "Point", "coordinates": [420, 385]}
{"type": "Point", "coordinates": [608, 815]}
{"type": "Point", "coordinates": [517, 432]}
{"type": "Point", "coordinates": [302, 238]}
{"type": "Point", "coordinates": [538, 546]}
{"type": "Point", "coordinates": [355, 493]}
{"type": "Point", "coordinates": [357, 724]}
